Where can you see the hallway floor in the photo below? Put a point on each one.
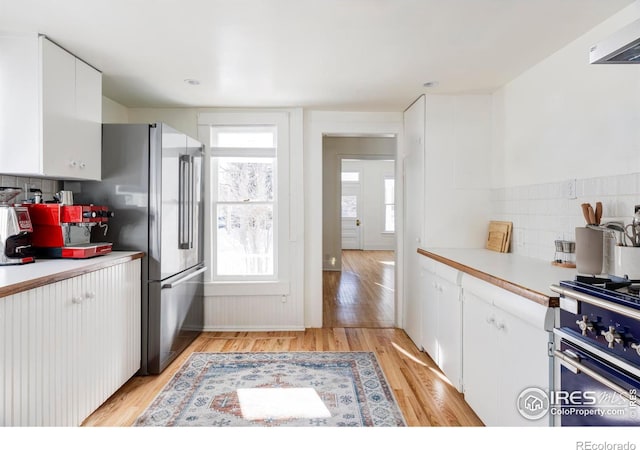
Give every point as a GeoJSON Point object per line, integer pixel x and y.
{"type": "Point", "coordinates": [362, 294]}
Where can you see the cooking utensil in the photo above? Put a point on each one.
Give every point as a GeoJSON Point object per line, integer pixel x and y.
{"type": "Point", "coordinates": [598, 212]}
{"type": "Point", "coordinates": [633, 235]}
{"type": "Point", "coordinates": [585, 212]}
{"type": "Point", "coordinates": [592, 215]}
{"type": "Point", "coordinates": [619, 234]}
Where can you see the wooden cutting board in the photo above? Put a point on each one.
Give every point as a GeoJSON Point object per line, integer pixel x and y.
{"type": "Point", "coordinates": [495, 241]}
{"type": "Point", "coordinates": [499, 236]}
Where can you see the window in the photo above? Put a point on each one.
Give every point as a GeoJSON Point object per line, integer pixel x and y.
{"type": "Point", "coordinates": [245, 208]}
{"type": "Point", "coordinates": [349, 206]}
{"type": "Point", "coordinates": [389, 205]}
{"type": "Point", "coordinates": [351, 176]}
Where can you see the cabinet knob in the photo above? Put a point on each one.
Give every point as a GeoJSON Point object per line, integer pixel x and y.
{"type": "Point", "coordinates": [90, 295]}
{"type": "Point", "coordinates": [76, 300]}
{"type": "Point", "coordinates": [491, 319]}
{"type": "Point", "coordinates": [83, 164]}
{"type": "Point", "coordinates": [500, 325]}
{"type": "Point", "coordinates": [636, 347]}
{"type": "Point", "coordinates": [73, 163]}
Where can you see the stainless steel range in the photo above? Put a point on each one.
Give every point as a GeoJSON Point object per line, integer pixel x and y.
{"type": "Point", "coordinates": [597, 352]}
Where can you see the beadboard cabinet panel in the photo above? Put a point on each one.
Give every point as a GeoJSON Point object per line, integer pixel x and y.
{"type": "Point", "coordinates": [67, 346]}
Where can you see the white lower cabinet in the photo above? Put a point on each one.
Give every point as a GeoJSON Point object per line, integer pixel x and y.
{"type": "Point", "coordinates": [68, 346]}
{"type": "Point", "coordinates": [442, 318]}
{"type": "Point", "coordinates": [505, 341]}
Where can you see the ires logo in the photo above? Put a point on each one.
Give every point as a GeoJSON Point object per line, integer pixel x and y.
{"type": "Point", "coordinates": [534, 403]}
{"type": "Point", "coordinates": [573, 398]}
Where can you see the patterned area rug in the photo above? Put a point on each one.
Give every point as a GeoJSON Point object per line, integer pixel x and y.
{"type": "Point", "coordinates": [339, 389]}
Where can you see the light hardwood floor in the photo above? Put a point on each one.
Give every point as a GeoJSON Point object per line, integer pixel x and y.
{"type": "Point", "coordinates": [358, 316]}
{"type": "Point", "coordinates": [423, 393]}
{"type": "Point", "coordinates": [362, 294]}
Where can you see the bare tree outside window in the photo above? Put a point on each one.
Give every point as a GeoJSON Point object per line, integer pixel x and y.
{"type": "Point", "coordinates": [245, 216]}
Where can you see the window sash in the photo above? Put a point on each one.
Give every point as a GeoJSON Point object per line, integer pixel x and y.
{"type": "Point", "coordinates": [389, 204]}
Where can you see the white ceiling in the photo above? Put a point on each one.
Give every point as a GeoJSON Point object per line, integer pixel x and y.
{"type": "Point", "coordinates": [326, 54]}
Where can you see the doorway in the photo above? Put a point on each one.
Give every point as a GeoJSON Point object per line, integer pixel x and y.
{"type": "Point", "coordinates": [359, 241]}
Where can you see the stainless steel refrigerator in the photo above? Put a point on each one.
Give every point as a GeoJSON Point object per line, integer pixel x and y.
{"type": "Point", "coordinates": [152, 178]}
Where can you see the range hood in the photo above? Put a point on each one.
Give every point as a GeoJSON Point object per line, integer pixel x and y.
{"type": "Point", "coordinates": [622, 47]}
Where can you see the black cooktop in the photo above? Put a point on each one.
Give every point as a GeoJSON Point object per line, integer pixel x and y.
{"type": "Point", "coordinates": [618, 290]}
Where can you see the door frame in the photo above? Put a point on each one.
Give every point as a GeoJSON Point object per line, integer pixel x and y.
{"type": "Point", "coordinates": [317, 125]}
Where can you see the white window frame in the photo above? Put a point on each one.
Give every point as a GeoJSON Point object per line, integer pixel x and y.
{"type": "Point", "coordinates": [385, 204]}
{"type": "Point", "coordinates": [278, 283]}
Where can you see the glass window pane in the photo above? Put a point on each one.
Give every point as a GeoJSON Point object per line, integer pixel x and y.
{"type": "Point", "coordinates": [245, 179]}
{"type": "Point", "coordinates": [350, 176]}
{"type": "Point", "coordinates": [389, 218]}
{"type": "Point", "coordinates": [245, 240]}
{"type": "Point", "coordinates": [349, 206]}
{"type": "Point", "coordinates": [244, 137]}
{"type": "Point", "coordinates": [389, 190]}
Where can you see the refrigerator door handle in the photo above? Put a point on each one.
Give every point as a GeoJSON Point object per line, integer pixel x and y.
{"type": "Point", "coordinates": [192, 199]}
{"type": "Point", "coordinates": [183, 209]}
{"type": "Point", "coordinates": [184, 279]}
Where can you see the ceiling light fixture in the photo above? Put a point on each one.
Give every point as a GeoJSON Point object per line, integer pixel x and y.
{"type": "Point", "coordinates": [430, 84]}
{"type": "Point", "coordinates": [192, 81]}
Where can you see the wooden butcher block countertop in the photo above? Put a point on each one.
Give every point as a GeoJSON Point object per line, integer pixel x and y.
{"type": "Point", "coordinates": [19, 278]}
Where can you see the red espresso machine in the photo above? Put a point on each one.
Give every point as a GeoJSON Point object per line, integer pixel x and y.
{"type": "Point", "coordinates": [64, 231]}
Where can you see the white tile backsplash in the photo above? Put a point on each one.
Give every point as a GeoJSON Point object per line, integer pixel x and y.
{"type": "Point", "coordinates": [542, 213]}
{"type": "Point", "coordinates": [47, 186]}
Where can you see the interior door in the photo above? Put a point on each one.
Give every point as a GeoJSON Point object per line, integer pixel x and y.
{"type": "Point", "coordinates": [351, 215]}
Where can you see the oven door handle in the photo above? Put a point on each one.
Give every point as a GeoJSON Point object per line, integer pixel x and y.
{"type": "Point", "coordinates": [595, 301]}
{"type": "Point", "coordinates": [571, 361]}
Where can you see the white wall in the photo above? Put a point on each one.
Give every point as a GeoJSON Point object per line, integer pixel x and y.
{"type": "Point", "coordinates": [565, 118]}
{"type": "Point", "coordinates": [182, 119]}
{"type": "Point", "coordinates": [114, 112]}
{"type": "Point", "coordinates": [334, 149]}
{"type": "Point", "coordinates": [457, 181]}
{"type": "Point", "coordinates": [372, 176]}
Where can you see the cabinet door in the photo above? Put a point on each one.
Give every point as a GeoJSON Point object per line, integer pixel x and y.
{"type": "Point", "coordinates": [413, 166]}
{"type": "Point", "coordinates": [479, 358]}
{"type": "Point", "coordinates": [19, 107]}
{"type": "Point", "coordinates": [450, 331]}
{"type": "Point", "coordinates": [110, 301]}
{"type": "Point", "coordinates": [58, 110]}
{"type": "Point", "coordinates": [88, 132]}
{"type": "Point", "coordinates": [523, 362]}
{"type": "Point", "coordinates": [39, 381]}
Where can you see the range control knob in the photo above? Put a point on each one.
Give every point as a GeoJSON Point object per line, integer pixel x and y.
{"type": "Point", "coordinates": [89, 214]}
{"type": "Point", "coordinates": [585, 325]}
{"type": "Point", "coordinates": [636, 347]}
{"type": "Point", "coordinates": [612, 336]}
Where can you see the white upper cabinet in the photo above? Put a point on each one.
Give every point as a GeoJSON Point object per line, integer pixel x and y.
{"type": "Point", "coordinates": [51, 110]}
